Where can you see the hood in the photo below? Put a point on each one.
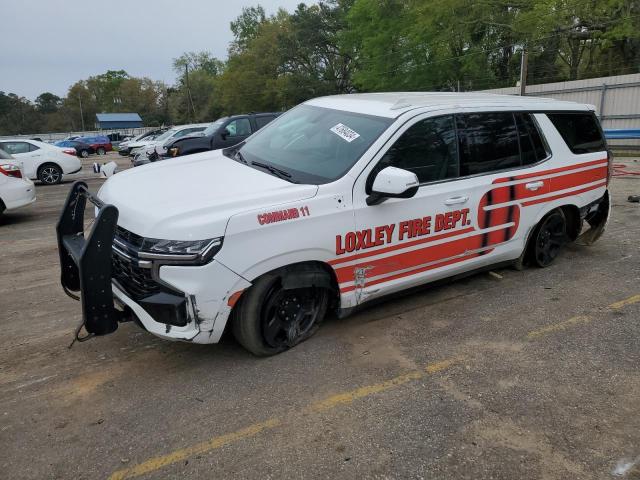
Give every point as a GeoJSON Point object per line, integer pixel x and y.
{"type": "Point", "coordinates": [192, 198]}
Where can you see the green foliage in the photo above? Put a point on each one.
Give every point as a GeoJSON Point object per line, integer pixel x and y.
{"type": "Point", "coordinates": [343, 46]}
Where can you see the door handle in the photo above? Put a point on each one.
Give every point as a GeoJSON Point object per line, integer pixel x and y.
{"type": "Point", "coordinates": [533, 186]}
{"type": "Point", "coordinates": [456, 200]}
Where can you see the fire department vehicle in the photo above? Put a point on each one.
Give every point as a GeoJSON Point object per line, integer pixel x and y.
{"type": "Point", "coordinates": [339, 201]}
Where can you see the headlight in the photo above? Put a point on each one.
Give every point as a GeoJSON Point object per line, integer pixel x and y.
{"type": "Point", "coordinates": [195, 252]}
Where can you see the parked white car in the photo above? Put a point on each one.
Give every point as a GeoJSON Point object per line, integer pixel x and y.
{"type": "Point", "coordinates": [144, 149]}
{"type": "Point", "coordinates": [41, 161]}
{"type": "Point", "coordinates": [15, 191]}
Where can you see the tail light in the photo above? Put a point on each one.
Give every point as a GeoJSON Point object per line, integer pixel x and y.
{"type": "Point", "coordinates": [10, 170]}
{"type": "Point", "coordinates": [70, 151]}
{"type": "Point", "coordinates": [609, 166]}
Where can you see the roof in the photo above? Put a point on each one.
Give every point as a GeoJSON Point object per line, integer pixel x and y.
{"type": "Point", "coordinates": [393, 105]}
{"type": "Point", "coordinates": [118, 117]}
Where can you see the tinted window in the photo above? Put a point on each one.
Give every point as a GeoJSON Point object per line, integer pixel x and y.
{"type": "Point", "coordinates": [580, 131]}
{"type": "Point", "coordinates": [15, 147]}
{"type": "Point", "coordinates": [532, 147]}
{"type": "Point", "coordinates": [262, 121]}
{"type": "Point", "coordinates": [427, 148]}
{"type": "Point", "coordinates": [488, 142]}
{"type": "Point", "coordinates": [33, 148]}
{"type": "Point", "coordinates": [239, 127]}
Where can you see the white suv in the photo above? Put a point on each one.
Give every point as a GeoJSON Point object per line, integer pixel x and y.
{"type": "Point", "coordinates": [41, 161]}
{"type": "Point", "coordinates": [339, 201]}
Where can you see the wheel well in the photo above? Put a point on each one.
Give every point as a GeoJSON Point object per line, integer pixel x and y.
{"type": "Point", "coordinates": [574, 224]}
{"type": "Point", "coordinates": [306, 274]}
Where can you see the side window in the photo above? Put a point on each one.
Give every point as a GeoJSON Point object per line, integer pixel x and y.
{"type": "Point", "coordinates": [16, 147]}
{"type": "Point", "coordinates": [239, 127]}
{"type": "Point", "coordinates": [580, 131]}
{"type": "Point", "coordinates": [532, 148]}
{"type": "Point", "coordinates": [262, 121]}
{"type": "Point", "coordinates": [427, 148]}
{"type": "Point", "coordinates": [488, 142]}
{"type": "Point", "coordinates": [33, 148]}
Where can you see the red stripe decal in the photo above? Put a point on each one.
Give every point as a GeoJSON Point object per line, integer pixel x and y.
{"type": "Point", "coordinates": [414, 272]}
{"type": "Point", "coordinates": [566, 194]}
{"type": "Point", "coordinates": [552, 171]}
{"type": "Point", "coordinates": [413, 258]}
{"type": "Point", "coordinates": [400, 245]}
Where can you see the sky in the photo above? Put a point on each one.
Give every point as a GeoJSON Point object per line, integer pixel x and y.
{"type": "Point", "coordinates": [47, 45]}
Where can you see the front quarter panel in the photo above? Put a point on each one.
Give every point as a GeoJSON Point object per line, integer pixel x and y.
{"type": "Point", "coordinates": [262, 240]}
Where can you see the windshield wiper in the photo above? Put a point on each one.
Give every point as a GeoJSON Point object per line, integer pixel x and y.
{"type": "Point", "coordinates": [239, 156]}
{"type": "Point", "coordinates": [274, 170]}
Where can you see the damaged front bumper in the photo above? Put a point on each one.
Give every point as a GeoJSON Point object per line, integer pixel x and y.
{"type": "Point", "coordinates": [176, 302]}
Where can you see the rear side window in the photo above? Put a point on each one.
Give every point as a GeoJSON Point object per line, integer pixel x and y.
{"type": "Point", "coordinates": [33, 148]}
{"type": "Point", "coordinates": [487, 142]}
{"type": "Point", "coordinates": [14, 148]}
{"type": "Point", "coordinates": [580, 131]}
{"type": "Point", "coordinates": [532, 148]}
{"type": "Point", "coordinates": [262, 121]}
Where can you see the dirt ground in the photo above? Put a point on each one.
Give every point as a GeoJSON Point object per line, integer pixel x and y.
{"type": "Point", "coordinates": [503, 375]}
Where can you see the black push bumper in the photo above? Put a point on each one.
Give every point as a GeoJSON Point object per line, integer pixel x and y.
{"type": "Point", "coordinates": [86, 262]}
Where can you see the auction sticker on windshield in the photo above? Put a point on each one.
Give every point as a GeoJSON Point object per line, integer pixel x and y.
{"type": "Point", "coordinates": [345, 132]}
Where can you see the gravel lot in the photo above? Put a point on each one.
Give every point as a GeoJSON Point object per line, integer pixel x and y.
{"type": "Point", "coordinates": [503, 375]}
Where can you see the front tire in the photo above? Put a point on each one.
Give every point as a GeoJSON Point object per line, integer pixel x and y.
{"type": "Point", "coordinates": [101, 151]}
{"type": "Point", "coordinates": [84, 153]}
{"type": "Point", "coordinates": [50, 174]}
{"type": "Point", "coordinates": [270, 319]}
{"type": "Point", "coordinates": [548, 238]}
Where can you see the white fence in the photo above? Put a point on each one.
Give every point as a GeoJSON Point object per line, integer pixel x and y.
{"type": "Point", "coordinates": [617, 99]}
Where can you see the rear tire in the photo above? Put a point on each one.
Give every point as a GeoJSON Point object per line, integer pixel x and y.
{"type": "Point", "coordinates": [101, 151]}
{"type": "Point", "coordinates": [270, 319]}
{"type": "Point", "coordinates": [548, 238]}
{"type": "Point", "coordinates": [84, 153]}
{"type": "Point", "coordinates": [50, 174]}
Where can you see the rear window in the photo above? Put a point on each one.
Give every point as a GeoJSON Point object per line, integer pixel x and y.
{"type": "Point", "coordinates": [580, 131]}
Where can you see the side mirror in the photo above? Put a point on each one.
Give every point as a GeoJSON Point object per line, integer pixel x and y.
{"type": "Point", "coordinates": [225, 133]}
{"type": "Point", "coordinates": [393, 182]}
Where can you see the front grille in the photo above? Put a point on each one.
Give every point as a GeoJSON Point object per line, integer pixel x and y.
{"type": "Point", "coordinates": [136, 281]}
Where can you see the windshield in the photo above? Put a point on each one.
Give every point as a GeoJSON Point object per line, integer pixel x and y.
{"type": "Point", "coordinates": [211, 129]}
{"type": "Point", "coordinates": [313, 144]}
{"type": "Point", "coordinates": [167, 134]}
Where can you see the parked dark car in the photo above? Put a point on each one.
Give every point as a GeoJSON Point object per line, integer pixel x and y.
{"type": "Point", "coordinates": [100, 143]}
{"type": "Point", "coordinates": [82, 149]}
{"type": "Point", "coordinates": [224, 132]}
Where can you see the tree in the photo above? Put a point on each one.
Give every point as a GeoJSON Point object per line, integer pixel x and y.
{"type": "Point", "coordinates": [48, 102]}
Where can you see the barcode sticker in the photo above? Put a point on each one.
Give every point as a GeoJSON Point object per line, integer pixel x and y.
{"type": "Point", "coordinates": [345, 132]}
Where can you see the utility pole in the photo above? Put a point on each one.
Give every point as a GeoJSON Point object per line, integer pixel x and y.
{"type": "Point", "coordinates": [81, 115]}
{"type": "Point", "coordinates": [186, 74]}
{"type": "Point", "coordinates": [523, 71]}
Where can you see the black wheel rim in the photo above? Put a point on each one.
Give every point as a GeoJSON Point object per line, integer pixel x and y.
{"type": "Point", "coordinates": [50, 175]}
{"type": "Point", "coordinates": [288, 316]}
{"type": "Point", "coordinates": [551, 237]}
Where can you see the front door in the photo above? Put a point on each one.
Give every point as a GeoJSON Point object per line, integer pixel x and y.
{"type": "Point", "coordinates": [451, 225]}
